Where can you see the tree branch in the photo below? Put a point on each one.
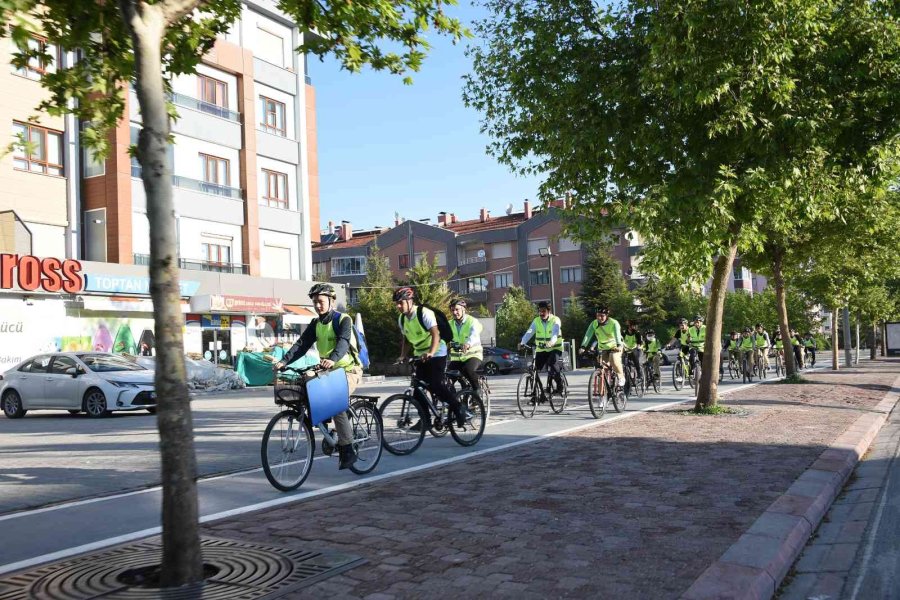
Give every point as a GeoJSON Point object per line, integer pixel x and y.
{"type": "Point", "coordinates": [173, 10]}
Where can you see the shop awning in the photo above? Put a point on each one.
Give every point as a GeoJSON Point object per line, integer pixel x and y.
{"type": "Point", "coordinates": [237, 305]}
{"type": "Point", "coordinates": [297, 315]}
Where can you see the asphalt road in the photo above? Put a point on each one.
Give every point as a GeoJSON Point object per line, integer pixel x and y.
{"type": "Point", "coordinates": [70, 484]}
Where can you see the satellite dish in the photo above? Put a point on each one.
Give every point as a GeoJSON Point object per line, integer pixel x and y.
{"type": "Point", "coordinates": [481, 253]}
{"type": "Point", "coordinates": [509, 209]}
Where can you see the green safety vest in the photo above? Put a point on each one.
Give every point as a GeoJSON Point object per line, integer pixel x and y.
{"type": "Point", "coordinates": [810, 343]}
{"type": "Point", "coordinates": [733, 344]}
{"type": "Point", "coordinates": [461, 334]}
{"type": "Point", "coordinates": [544, 331]}
{"type": "Point", "coordinates": [747, 343]}
{"type": "Point", "coordinates": [779, 345]}
{"type": "Point", "coordinates": [605, 334]}
{"type": "Point", "coordinates": [418, 337]}
{"type": "Point", "coordinates": [630, 341]}
{"type": "Point", "coordinates": [762, 340]}
{"type": "Point", "coordinates": [652, 347]}
{"type": "Point", "coordinates": [326, 340]}
{"type": "Point", "coordinates": [697, 338]}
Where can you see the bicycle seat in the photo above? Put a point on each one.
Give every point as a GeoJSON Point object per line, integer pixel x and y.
{"type": "Point", "coordinates": [453, 373]}
{"type": "Point", "coordinates": [366, 398]}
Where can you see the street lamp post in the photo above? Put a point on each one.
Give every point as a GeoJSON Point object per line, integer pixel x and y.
{"type": "Point", "coordinates": [549, 254]}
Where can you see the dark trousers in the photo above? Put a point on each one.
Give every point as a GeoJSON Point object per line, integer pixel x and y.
{"type": "Point", "coordinates": [551, 361]}
{"type": "Point", "coordinates": [798, 355]}
{"type": "Point", "coordinates": [636, 356]}
{"type": "Point", "coordinates": [432, 373]}
{"type": "Point", "coordinates": [469, 370]}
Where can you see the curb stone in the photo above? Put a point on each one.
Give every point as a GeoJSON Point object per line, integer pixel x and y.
{"type": "Point", "coordinates": [755, 565]}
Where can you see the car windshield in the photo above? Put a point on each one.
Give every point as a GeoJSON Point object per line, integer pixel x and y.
{"type": "Point", "coordinates": [107, 363]}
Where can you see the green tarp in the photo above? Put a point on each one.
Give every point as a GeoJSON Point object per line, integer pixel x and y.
{"type": "Point", "coordinates": [256, 370]}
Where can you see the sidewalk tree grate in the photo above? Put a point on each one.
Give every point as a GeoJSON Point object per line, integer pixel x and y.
{"type": "Point", "coordinates": [242, 571]}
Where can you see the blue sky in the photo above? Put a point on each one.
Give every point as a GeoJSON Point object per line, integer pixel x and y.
{"type": "Point", "coordinates": [385, 146]}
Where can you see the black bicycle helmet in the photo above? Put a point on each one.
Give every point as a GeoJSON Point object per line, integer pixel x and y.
{"type": "Point", "coordinates": [603, 310]}
{"type": "Point", "coordinates": [322, 289]}
{"type": "Point", "coordinates": [543, 304]}
{"type": "Point", "coordinates": [748, 330]}
{"type": "Point", "coordinates": [404, 293]}
{"type": "Point", "coordinates": [758, 325]}
{"type": "Point", "coordinates": [682, 321]}
{"type": "Point", "coordinates": [650, 332]}
{"type": "Point", "coordinates": [458, 302]}
{"type": "Point", "coordinates": [698, 318]}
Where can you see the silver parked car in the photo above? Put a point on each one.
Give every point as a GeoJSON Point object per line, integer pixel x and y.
{"type": "Point", "coordinates": [92, 382]}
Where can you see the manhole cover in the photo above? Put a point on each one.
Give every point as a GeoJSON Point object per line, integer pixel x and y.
{"type": "Point", "coordinates": [245, 571]}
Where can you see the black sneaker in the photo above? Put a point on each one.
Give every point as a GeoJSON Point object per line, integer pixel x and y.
{"type": "Point", "coordinates": [461, 417]}
{"type": "Point", "coordinates": [347, 457]}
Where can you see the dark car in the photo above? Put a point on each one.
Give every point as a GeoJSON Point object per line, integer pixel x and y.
{"type": "Point", "coordinates": [500, 360]}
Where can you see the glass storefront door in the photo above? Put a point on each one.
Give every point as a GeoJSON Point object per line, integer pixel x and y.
{"type": "Point", "coordinates": [217, 346]}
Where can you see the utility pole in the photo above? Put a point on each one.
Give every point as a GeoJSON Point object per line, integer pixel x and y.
{"type": "Point", "coordinates": [549, 254]}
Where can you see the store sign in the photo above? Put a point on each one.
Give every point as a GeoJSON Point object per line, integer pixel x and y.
{"type": "Point", "coordinates": [248, 304]}
{"type": "Point", "coordinates": [124, 284]}
{"type": "Point", "coordinates": [31, 273]}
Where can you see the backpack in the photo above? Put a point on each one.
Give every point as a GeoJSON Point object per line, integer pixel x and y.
{"type": "Point", "coordinates": [361, 350]}
{"type": "Point", "coordinates": [443, 325]}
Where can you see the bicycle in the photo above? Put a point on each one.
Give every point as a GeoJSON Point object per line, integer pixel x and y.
{"type": "Point", "coordinates": [288, 445]}
{"type": "Point", "coordinates": [761, 367]}
{"type": "Point", "coordinates": [695, 368]}
{"type": "Point", "coordinates": [650, 375]}
{"type": "Point", "coordinates": [733, 365]}
{"type": "Point", "coordinates": [459, 383]}
{"type": "Point", "coordinates": [809, 358]}
{"type": "Point", "coordinates": [678, 371]}
{"type": "Point", "coordinates": [530, 390]}
{"type": "Point", "coordinates": [408, 415]}
{"type": "Point", "coordinates": [779, 364]}
{"type": "Point", "coordinates": [634, 382]}
{"type": "Point", "coordinates": [746, 367]}
{"type": "Point", "coordinates": [602, 388]}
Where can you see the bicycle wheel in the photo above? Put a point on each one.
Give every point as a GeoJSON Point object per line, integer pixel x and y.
{"type": "Point", "coordinates": [368, 434]}
{"type": "Point", "coordinates": [404, 424]}
{"type": "Point", "coordinates": [597, 394]}
{"type": "Point", "coordinates": [473, 428]}
{"type": "Point", "coordinates": [485, 396]}
{"type": "Point", "coordinates": [638, 382]}
{"type": "Point", "coordinates": [287, 450]}
{"type": "Point", "coordinates": [732, 369]}
{"type": "Point", "coordinates": [439, 427]}
{"type": "Point", "coordinates": [619, 395]}
{"type": "Point", "coordinates": [695, 378]}
{"type": "Point", "coordinates": [678, 375]}
{"type": "Point", "coordinates": [558, 401]}
{"type": "Point", "coordinates": [526, 398]}
{"type": "Point", "coordinates": [653, 379]}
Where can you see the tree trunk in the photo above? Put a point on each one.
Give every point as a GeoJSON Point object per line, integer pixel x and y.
{"type": "Point", "coordinates": [884, 338]}
{"type": "Point", "coordinates": [781, 306]}
{"type": "Point", "coordinates": [848, 344]}
{"type": "Point", "coordinates": [872, 346]}
{"type": "Point", "coordinates": [182, 561]}
{"type": "Point", "coordinates": [858, 347]}
{"type": "Point", "coordinates": [708, 392]}
{"type": "Point", "coordinates": [834, 339]}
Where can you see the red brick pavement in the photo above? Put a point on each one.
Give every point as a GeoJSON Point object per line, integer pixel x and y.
{"type": "Point", "coordinates": [635, 509]}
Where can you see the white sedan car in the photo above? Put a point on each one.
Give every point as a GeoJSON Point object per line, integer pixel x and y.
{"type": "Point", "coordinates": [92, 382]}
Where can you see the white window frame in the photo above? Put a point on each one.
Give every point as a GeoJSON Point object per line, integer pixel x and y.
{"type": "Point", "coordinates": [496, 251]}
{"type": "Point", "coordinates": [336, 271]}
{"type": "Point", "coordinates": [536, 244]}
{"type": "Point", "coordinates": [563, 270]}
{"type": "Point", "coordinates": [506, 275]}
{"type": "Point", "coordinates": [530, 278]}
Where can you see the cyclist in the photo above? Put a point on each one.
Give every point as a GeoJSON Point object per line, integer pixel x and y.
{"type": "Point", "coordinates": [696, 338]}
{"type": "Point", "coordinates": [337, 349]}
{"type": "Point", "coordinates": [634, 343]}
{"type": "Point", "coordinates": [606, 333]}
{"type": "Point", "coordinates": [778, 344]}
{"type": "Point", "coordinates": [425, 341]}
{"type": "Point", "coordinates": [762, 341]}
{"type": "Point", "coordinates": [653, 351]}
{"type": "Point", "coordinates": [547, 331]}
{"type": "Point", "coordinates": [809, 344]}
{"type": "Point", "coordinates": [733, 342]}
{"type": "Point", "coordinates": [747, 348]}
{"type": "Point", "coordinates": [467, 335]}
{"type": "Point", "coordinates": [798, 348]}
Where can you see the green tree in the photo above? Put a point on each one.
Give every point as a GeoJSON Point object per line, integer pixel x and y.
{"type": "Point", "coordinates": [377, 308]}
{"type": "Point", "coordinates": [514, 316]}
{"type": "Point", "coordinates": [604, 284]}
{"type": "Point", "coordinates": [575, 319]}
{"type": "Point", "coordinates": [685, 120]}
{"type": "Point", "coordinates": [149, 43]}
{"type": "Point", "coordinates": [430, 284]}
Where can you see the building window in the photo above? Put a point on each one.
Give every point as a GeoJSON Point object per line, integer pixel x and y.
{"type": "Point", "coordinates": [37, 149]}
{"type": "Point", "coordinates": [216, 252]}
{"type": "Point", "coordinates": [440, 257]}
{"type": "Point", "coordinates": [352, 296]}
{"type": "Point", "coordinates": [352, 265]}
{"type": "Point", "coordinates": [91, 165]}
{"type": "Point", "coordinates": [534, 246]}
{"type": "Point", "coordinates": [502, 280]}
{"type": "Point", "coordinates": [570, 274]}
{"type": "Point", "coordinates": [476, 284]}
{"type": "Point", "coordinates": [273, 116]}
{"type": "Point", "coordinates": [269, 47]}
{"type": "Point", "coordinates": [541, 277]}
{"type": "Point", "coordinates": [216, 174]}
{"type": "Point", "coordinates": [320, 269]}
{"type": "Point", "coordinates": [738, 273]}
{"type": "Point", "coordinates": [568, 245]}
{"type": "Point", "coordinates": [37, 66]}
{"type": "Point", "coordinates": [403, 261]}
{"type": "Point", "coordinates": [503, 250]}
{"type": "Point", "coordinates": [615, 239]}
{"type": "Point", "coordinates": [212, 91]}
{"type": "Point", "coordinates": [275, 192]}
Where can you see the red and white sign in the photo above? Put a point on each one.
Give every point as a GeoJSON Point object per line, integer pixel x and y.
{"type": "Point", "coordinates": [31, 273]}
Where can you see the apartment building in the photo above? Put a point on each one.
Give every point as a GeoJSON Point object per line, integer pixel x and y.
{"type": "Point", "coordinates": [489, 254]}
{"type": "Point", "coordinates": [245, 186]}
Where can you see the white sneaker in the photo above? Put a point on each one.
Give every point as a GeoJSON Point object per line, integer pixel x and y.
{"type": "Point", "coordinates": [620, 381]}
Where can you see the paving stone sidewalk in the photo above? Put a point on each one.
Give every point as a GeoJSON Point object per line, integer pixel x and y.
{"type": "Point", "coordinates": [633, 509]}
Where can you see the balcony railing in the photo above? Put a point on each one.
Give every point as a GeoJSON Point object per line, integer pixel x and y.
{"type": "Point", "coordinates": [204, 187]}
{"type": "Point", "coordinates": [474, 259]}
{"type": "Point", "coordinates": [199, 265]}
{"type": "Point", "coordinates": [205, 107]}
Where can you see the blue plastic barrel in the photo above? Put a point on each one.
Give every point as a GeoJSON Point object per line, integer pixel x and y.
{"type": "Point", "coordinates": [328, 395]}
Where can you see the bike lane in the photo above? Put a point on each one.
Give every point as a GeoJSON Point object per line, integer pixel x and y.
{"type": "Point", "coordinates": [55, 532]}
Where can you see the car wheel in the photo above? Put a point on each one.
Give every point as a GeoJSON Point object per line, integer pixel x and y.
{"type": "Point", "coordinates": [665, 360]}
{"type": "Point", "coordinates": [95, 403]}
{"type": "Point", "coordinates": [491, 368]}
{"type": "Point", "coordinates": [12, 405]}
{"type": "Point", "coordinates": [74, 412]}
